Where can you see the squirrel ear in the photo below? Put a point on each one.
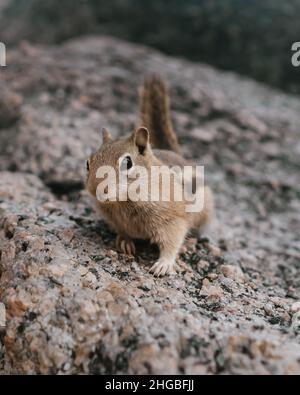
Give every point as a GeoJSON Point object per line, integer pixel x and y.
{"type": "Point", "coordinates": [106, 137]}
{"type": "Point", "coordinates": [141, 139]}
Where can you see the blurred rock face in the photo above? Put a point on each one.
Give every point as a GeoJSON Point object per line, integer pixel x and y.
{"type": "Point", "coordinates": [68, 302]}
{"type": "Point", "coordinates": [253, 38]}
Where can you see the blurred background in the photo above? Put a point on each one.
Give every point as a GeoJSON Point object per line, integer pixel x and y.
{"type": "Point", "coordinates": [253, 38]}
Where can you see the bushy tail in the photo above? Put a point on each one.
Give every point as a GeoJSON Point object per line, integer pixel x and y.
{"type": "Point", "coordinates": [155, 114]}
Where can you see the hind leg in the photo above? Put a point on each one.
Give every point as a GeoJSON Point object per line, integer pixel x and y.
{"type": "Point", "coordinates": [202, 219]}
{"type": "Point", "coordinates": [202, 223]}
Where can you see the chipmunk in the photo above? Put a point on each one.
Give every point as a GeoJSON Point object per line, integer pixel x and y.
{"type": "Point", "coordinates": [165, 223]}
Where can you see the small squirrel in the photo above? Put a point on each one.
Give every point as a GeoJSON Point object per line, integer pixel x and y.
{"type": "Point", "coordinates": [165, 223]}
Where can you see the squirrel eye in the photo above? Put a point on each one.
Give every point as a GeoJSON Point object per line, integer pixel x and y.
{"type": "Point", "coordinates": [126, 163]}
{"type": "Point", "coordinates": [87, 165]}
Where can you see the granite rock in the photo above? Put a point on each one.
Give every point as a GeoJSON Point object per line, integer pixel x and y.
{"type": "Point", "coordinates": [69, 303]}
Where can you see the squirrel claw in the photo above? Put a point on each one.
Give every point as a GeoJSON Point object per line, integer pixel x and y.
{"type": "Point", "coordinates": [162, 267]}
{"type": "Point", "coordinates": [125, 245]}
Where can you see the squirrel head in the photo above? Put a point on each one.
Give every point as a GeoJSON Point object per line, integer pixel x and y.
{"type": "Point", "coordinates": [121, 156]}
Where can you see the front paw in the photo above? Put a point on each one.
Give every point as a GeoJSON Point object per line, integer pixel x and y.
{"type": "Point", "coordinates": [163, 267]}
{"type": "Point", "coordinates": [125, 245]}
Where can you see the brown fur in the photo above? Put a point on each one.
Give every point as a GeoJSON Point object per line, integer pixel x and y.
{"type": "Point", "coordinates": [165, 223]}
{"type": "Point", "coordinates": [155, 114]}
